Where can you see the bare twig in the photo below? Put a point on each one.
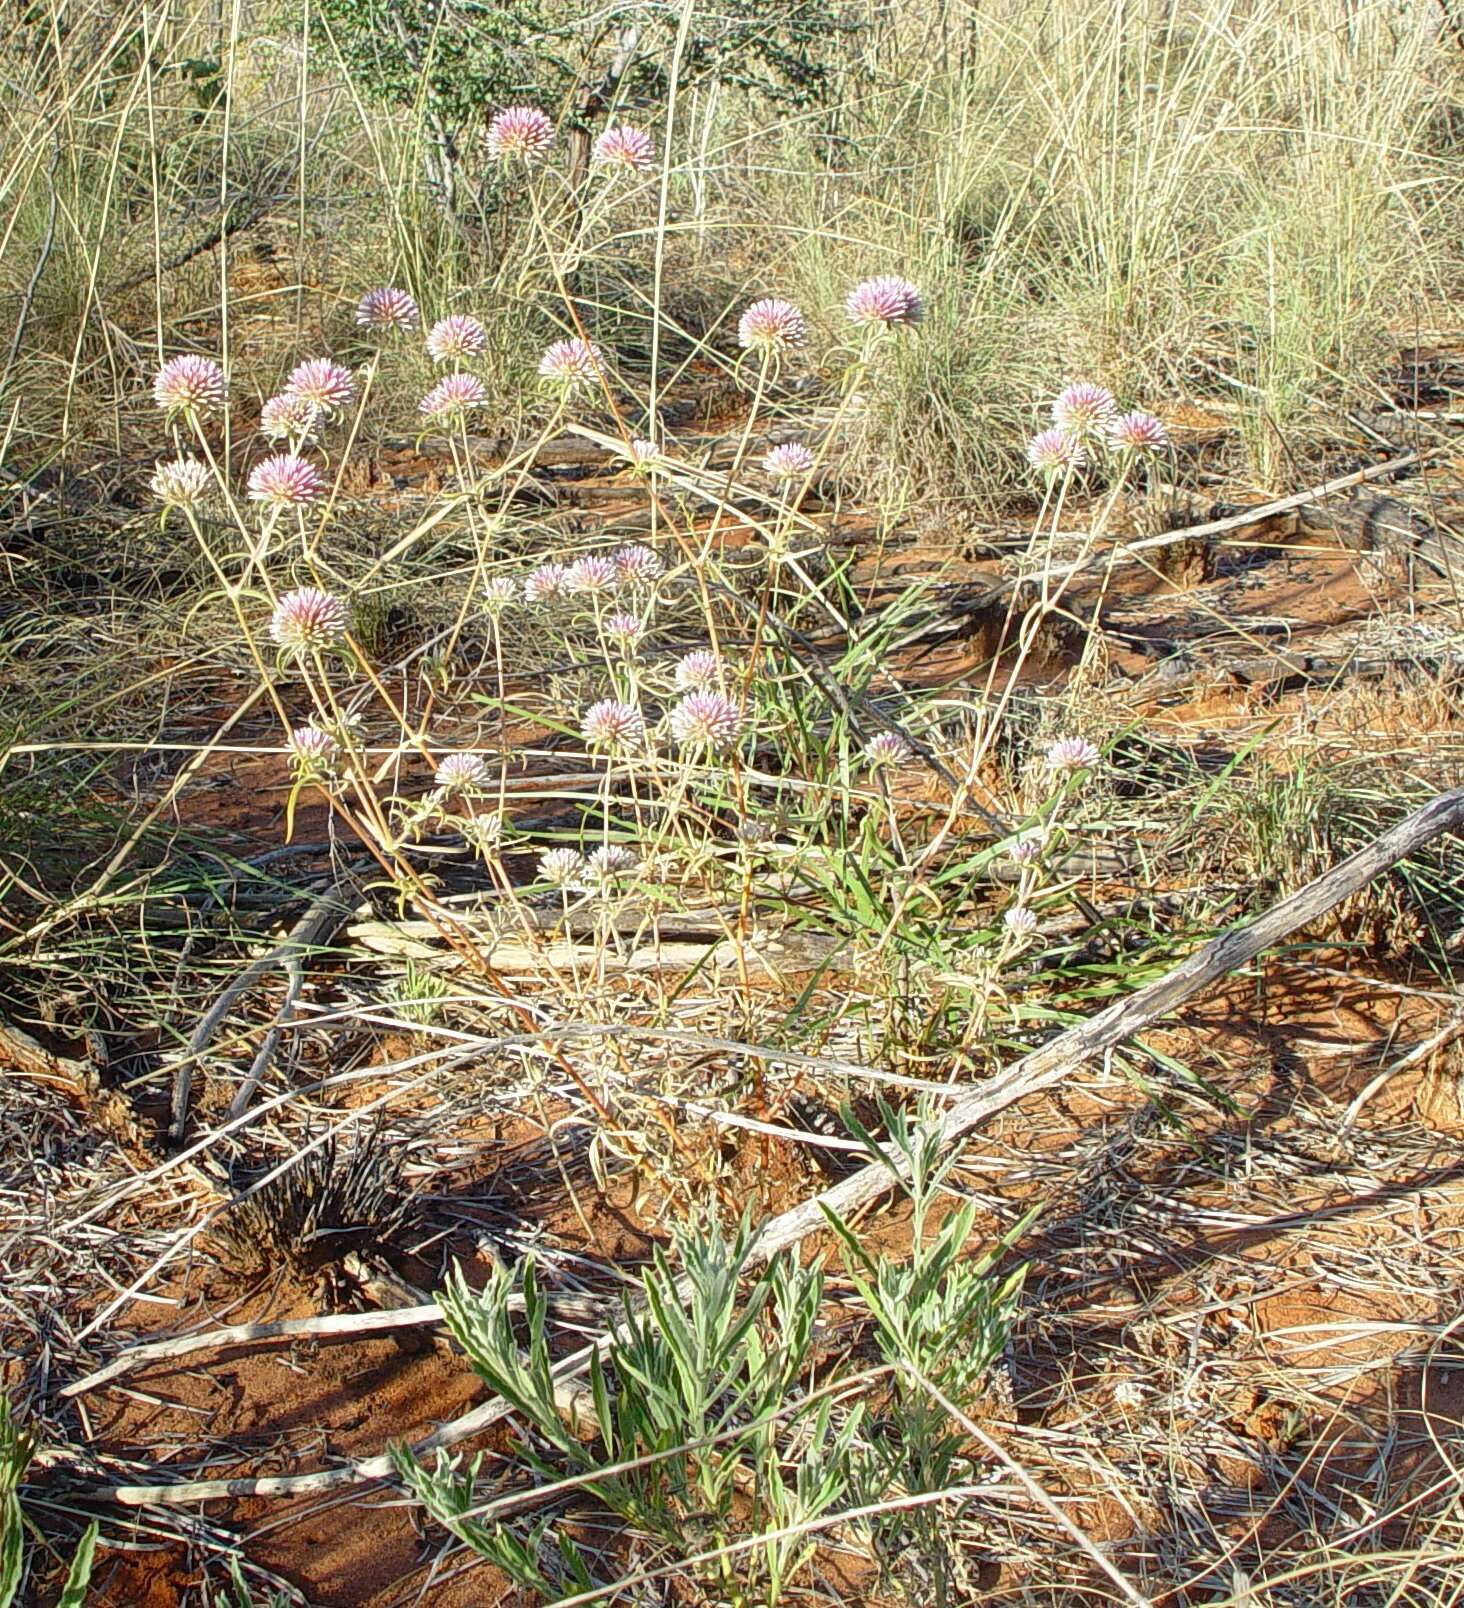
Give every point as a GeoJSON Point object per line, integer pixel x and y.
{"type": "Point", "coordinates": [329, 909]}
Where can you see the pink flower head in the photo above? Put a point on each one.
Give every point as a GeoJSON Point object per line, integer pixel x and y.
{"type": "Point", "coordinates": [182, 483]}
{"type": "Point", "coordinates": [1020, 922]}
{"type": "Point", "coordinates": [456, 336]}
{"type": "Point", "coordinates": [886, 301]}
{"type": "Point", "coordinates": [1055, 452]}
{"type": "Point", "coordinates": [387, 308]}
{"type": "Point", "coordinates": [1072, 753]}
{"type": "Point", "coordinates": [612, 860]}
{"type": "Point", "coordinates": [625, 147]}
{"type": "Point", "coordinates": [285, 481]}
{"type": "Point", "coordinates": [328, 385]}
{"type": "Point", "coordinates": [613, 725]}
{"type": "Point", "coordinates": [571, 363]}
{"type": "Point", "coordinates": [308, 619]}
{"type": "Point", "coordinates": [593, 573]}
{"type": "Point", "coordinates": [636, 563]}
{"type": "Point", "coordinates": [499, 593]}
{"type": "Point", "coordinates": [460, 773]}
{"type": "Point", "coordinates": [1086, 411]}
{"type": "Point", "coordinates": [189, 383]}
{"type": "Point", "coordinates": [887, 748]}
{"type": "Point", "coordinates": [311, 748]}
{"type": "Point", "coordinates": [452, 396]}
{"type": "Point", "coordinates": [706, 720]}
{"type": "Point", "coordinates": [642, 453]}
{"type": "Point", "coordinates": [624, 627]}
{"type": "Point", "coordinates": [771, 325]}
{"type": "Point", "coordinates": [1025, 849]}
{"type": "Point", "coordinates": [791, 461]}
{"type": "Point", "coordinates": [547, 581]}
{"type": "Point", "coordinates": [1139, 433]}
{"type": "Point", "coordinates": [563, 868]}
{"type": "Point", "coordinates": [699, 671]}
{"type": "Point", "coordinates": [520, 131]}
{"type": "Point", "coordinates": [289, 417]}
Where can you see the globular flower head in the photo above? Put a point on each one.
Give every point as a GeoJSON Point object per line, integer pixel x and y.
{"type": "Point", "coordinates": [571, 363]}
{"type": "Point", "coordinates": [312, 749]}
{"type": "Point", "coordinates": [642, 453]}
{"type": "Point", "coordinates": [699, 671]}
{"type": "Point", "coordinates": [545, 582]}
{"type": "Point", "coordinates": [328, 385]}
{"type": "Point", "coordinates": [613, 725]}
{"type": "Point", "coordinates": [182, 483]}
{"type": "Point", "coordinates": [452, 396]}
{"type": "Point", "coordinates": [592, 573]}
{"type": "Point", "coordinates": [790, 461]}
{"type": "Point", "coordinates": [706, 720]}
{"type": "Point", "coordinates": [636, 562]}
{"type": "Point", "coordinates": [1055, 452]}
{"type": "Point", "coordinates": [886, 301]}
{"type": "Point", "coordinates": [308, 619]}
{"type": "Point", "coordinates": [624, 627]}
{"type": "Point", "coordinates": [887, 748]}
{"type": "Point", "coordinates": [1072, 753]}
{"type": "Point", "coordinates": [499, 593]}
{"type": "Point", "coordinates": [189, 384]}
{"type": "Point", "coordinates": [1025, 849]}
{"type": "Point", "coordinates": [612, 860]}
{"type": "Point", "coordinates": [625, 147]}
{"type": "Point", "coordinates": [520, 131]}
{"type": "Point", "coordinates": [285, 480]}
{"type": "Point", "coordinates": [387, 308]}
{"type": "Point", "coordinates": [1086, 411]}
{"type": "Point", "coordinates": [461, 773]}
{"type": "Point", "coordinates": [458, 335]}
{"type": "Point", "coordinates": [563, 868]}
{"type": "Point", "coordinates": [289, 417]}
{"type": "Point", "coordinates": [1020, 922]}
{"type": "Point", "coordinates": [771, 325]}
{"type": "Point", "coordinates": [1139, 433]}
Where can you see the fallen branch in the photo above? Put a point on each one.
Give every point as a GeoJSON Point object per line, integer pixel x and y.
{"type": "Point", "coordinates": [328, 910]}
{"type": "Point", "coordinates": [1043, 1068]}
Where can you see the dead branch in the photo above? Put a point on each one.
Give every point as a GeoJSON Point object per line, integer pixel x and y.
{"type": "Point", "coordinates": [324, 914]}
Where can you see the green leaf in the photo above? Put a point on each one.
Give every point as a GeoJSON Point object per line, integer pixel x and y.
{"type": "Point", "coordinates": [73, 1593]}
{"type": "Point", "coordinates": [12, 1537]}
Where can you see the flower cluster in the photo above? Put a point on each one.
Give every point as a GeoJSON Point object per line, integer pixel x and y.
{"type": "Point", "coordinates": [521, 132]}
{"type": "Point", "coordinates": [308, 620]}
{"type": "Point", "coordinates": [571, 363]}
{"type": "Point", "coordinates": [624, 147]}
{"type": "Point", "coordinates": [452, 396]}
{"type": "Point", "coordinates": [613, 725]}
{"type": "Point", "coordinates": [455, 337]}
{"type": "Point", "coordinates": [595, 575]}
{"type": "Point", "coordinates": [708, 720]}
{"type": "Point", "coordinates": [313, 752]}
{"type": "Point", "coordinates": [289, 417]}
{"type": "Point", "coordinates": [461, 773]}
{"type": "Point", "coordinates": [885, 302]}
{"type": "Point", "coordinates": [387, 309]}
{"type": "Point", "coordinates": [183, 483]}
{"type": "Point", "coordinates": [772, 326]}
{"type": "Point", "coordinates": [189, 384]}
{"type": "Point", "coordinates": [285, 480]}
{"type": "Point", "coordinates": [790, 461]}
{"type": "Point", "coordinates": [1086, 424]}
{"type": "Point", "coordinates": [325, 384]}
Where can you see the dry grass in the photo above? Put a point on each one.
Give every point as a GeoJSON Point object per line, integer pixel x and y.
{"type": "Point", "coordinates": [1231, 1373]}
